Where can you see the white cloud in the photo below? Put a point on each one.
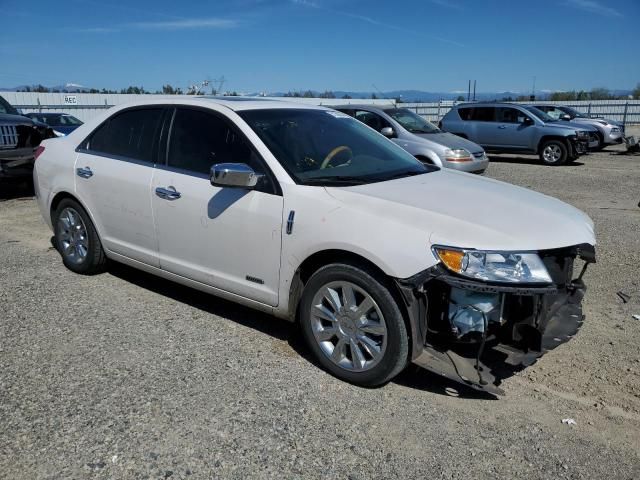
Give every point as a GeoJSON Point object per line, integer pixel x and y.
{"type": "Point", "coordinates": [186, 24]}
{"type": "Point", "coordinates": [593, 6]}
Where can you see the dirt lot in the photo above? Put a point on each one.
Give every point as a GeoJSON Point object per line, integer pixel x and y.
{"type": "Point", "coordinates": [124, 376]}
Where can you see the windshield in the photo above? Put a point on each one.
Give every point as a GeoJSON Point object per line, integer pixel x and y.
{"type": "Point", "coordinates": [326, 147]}
{"type": "Point", "coordinates": [540, 114]}
{"type": "Point", "coordinates": [63, 120]}
{"type": "Point", "coordinates": [5, 107]}
{"type": "Point", "coordinates": [411, 121]}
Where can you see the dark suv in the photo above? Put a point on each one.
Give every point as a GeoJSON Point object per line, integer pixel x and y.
{"type": "Point", "coordinates": [19, 136]}
{"type": "Point", "coordinates": [512, 128]}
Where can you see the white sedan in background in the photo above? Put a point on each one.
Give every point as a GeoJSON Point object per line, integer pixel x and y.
{"type": "Point", "coordinates": [307, 214]}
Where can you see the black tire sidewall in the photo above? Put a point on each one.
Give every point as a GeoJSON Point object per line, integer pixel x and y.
{"type": "Point", "coordinates": [95, 256]}
{"type": "Point", "coordinates": [563, 148]}
{"type": "Point", "coordinates": [396, 354]}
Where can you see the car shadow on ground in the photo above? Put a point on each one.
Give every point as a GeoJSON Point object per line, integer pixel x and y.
{"type": "Point", "coordinates": [413, 376]}
{"type": "Point", "coordinates": [526, 160]}
{"type": "Point", "coordinates": [12, 189]}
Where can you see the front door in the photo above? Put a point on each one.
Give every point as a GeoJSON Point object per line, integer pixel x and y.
{"type": "Point", "coordinates": [228, 238]}
{"type": "Point", "coordinates": [510, 131]}
{"type": "Point", "coordinates": [113, 170]}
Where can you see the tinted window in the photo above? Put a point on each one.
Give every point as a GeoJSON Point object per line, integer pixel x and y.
{"type": "Point", "coordinates": [200, 139]}
{"type": "Point", "coordinates": [371, 119]}
{"type": "Point", "coordinates": [478, 114]}
{"type": "Point", "coordinates": [510, 115]}
{"type": "Point", "coordinates": [128, 134]}
{"type": "Point", "coordinates": [5, 107]}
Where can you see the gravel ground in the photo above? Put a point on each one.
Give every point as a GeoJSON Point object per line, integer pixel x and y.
{"type": "Point", "coordinates": [122, 375]}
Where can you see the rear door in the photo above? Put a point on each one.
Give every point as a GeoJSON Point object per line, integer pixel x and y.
{"type": "Point", "coordinates": [510, 131]}
{"type": "Point", "coordinates": [228, 238]}
{"type": "Point", "coordinates": [482, 126]}
{"type": "Point", "coordinates": [113, 170]}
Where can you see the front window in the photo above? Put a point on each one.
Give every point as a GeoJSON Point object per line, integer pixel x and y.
{"type": "Point", "coordinates": [411, 121]}
{"type": "Point", "coordinates": [324, 147]}
{"type": "Point", "coordinates": [5, 107]}
{"type": "Point", "coordinates": [573, 112]}
{"type": "Point", "coordinates": [69, 121]}
{"type": "Point", "coordinates": [540, 114]}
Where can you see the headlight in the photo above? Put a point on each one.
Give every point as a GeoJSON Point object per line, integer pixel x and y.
{"type": "Point", "coordinates": [457, 155]}
{"type": "Point", "coordinates": [505, 267]}
{"type": "Point", "coordinates": [58, 134]}
{"type": "Point", "coordinates": [582, 133]}
{"type": "Point", "coordinates": [615, 130]}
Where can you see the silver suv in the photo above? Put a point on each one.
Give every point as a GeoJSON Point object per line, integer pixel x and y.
{"type": "Point", "coordinates": [420, 138]}
{"type": "Point", "coordinates": [609, 132]}
{"type": "Point", "coordinates": [512, 128]}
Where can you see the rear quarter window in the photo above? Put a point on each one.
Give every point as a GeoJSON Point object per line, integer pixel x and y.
{"type": "Point", "coordinates": [128, 134]}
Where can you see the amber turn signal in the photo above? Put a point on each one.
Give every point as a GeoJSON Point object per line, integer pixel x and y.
{"type": "Point", "coordinates": [451, 258]}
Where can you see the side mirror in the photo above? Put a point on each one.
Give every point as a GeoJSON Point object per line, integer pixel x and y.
{"type": "Point", "coordinates": [527, 121]}
{"type": "Point", "coordinates": [237, 175]}
{"type": "Point", "coordinates": [388, 132]}
{"type": "Point", "coordinates": [565, 116]}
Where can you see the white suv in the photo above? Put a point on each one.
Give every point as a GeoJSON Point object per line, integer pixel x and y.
{"type": "Point", "coordinates": [306, 213]}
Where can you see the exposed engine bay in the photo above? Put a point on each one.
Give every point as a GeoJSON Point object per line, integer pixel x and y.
{"type": "Point", "coordinates": [480, 333]}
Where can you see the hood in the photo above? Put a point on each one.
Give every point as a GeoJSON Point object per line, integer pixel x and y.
{"type": "Point", "coordinates": [463, 210]}
{"type": "Point", "coordinates": [450, 140]}
{"type": "Point", "coordinates": [575, 125]}
{"type": "Point", "coordinates": [9, 119]}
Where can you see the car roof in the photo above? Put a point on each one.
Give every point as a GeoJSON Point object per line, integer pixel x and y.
{"type": "Point", "coordinates": [364, 106]}
{"type": "Point", "coordinates": [232, 103]}
{"type": "Point", "coordinates": [46, 114]}
{"type": "Point", "coordinates": [490, 104]}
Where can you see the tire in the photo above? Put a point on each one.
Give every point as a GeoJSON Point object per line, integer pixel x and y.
{"type": "Point", "coordinates": [553, 152]}
{"type": "Point", "coordinates": [343, 306]}
{"type": "Point", "coordinates": [76, 239]}
{"type": "Point", "coordinates": [601, 145]}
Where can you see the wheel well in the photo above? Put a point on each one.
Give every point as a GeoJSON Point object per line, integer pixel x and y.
{"type": "Point", "coordinates": [546, 138]}
{"type": "Point", "coordinates": [319, 259]}
{"type": "Point", "coordinates": [57, 199]}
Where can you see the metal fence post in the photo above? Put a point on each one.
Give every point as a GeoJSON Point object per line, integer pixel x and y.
{"type": "Point", "coordinates": [589, 110]}
{"type": "Point", "coordinates": [438, 114]}
{"type": "Point", "coordinates": [624, 115]}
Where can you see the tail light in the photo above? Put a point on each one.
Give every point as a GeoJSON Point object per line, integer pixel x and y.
{"type": "Point", "coordinates": [37, 152]}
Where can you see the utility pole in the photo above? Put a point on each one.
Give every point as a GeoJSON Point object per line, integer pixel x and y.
{"type": "Point", "coordinates": [469, 91]}
{"type": "Point", "coordinates": [474, 90]}
{"type": "Point", "coordinates": [532, 98]}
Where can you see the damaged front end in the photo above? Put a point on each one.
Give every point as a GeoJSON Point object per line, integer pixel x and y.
{"type": "Point", "coordinates": [481, 332]}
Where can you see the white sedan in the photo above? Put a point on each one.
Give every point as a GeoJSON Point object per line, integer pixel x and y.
{"type": "Point", "coordinates": [307, 214]}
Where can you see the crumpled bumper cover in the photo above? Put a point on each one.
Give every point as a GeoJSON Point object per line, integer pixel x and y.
{"type": "Point", "coordinates": [542, 318]}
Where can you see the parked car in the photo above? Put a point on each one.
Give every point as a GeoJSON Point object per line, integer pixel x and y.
{"type": "Point", "coordinates": [610, 132]}
{"type": "Point", "coordinates": [511, 128]}
{"type": "Point", "coordinates": [61, 123]}
{"type": "Point", "coordinates": [305, 213]}
{"type": "Point", "coordinates": [420, 138]}
{"type": "Point", "coordinates": [19, 136]}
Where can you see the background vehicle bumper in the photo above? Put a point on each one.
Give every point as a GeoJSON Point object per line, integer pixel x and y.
{"type": "Point", "coordinates": [16, 163]}
{"type": "Point", "coordinates": [475, 166]}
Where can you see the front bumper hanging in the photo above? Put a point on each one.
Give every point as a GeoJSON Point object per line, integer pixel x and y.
{"type": "Point", "coordinates": [517, 325]}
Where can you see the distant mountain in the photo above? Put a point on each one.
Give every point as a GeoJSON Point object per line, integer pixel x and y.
{"type": "Point", "coordinates": [66, 88]}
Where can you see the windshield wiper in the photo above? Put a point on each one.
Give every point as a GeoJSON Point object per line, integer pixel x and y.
{"type": "Point", "coordinates": [339, 179]}
{"type": "Point", "coordinates": [410, 173]}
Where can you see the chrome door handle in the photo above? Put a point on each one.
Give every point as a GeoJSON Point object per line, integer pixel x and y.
{"type": "Point", "coordinates": [168, 193]}
{"type": "Point", "coordinates": [502, 127]}
{"type": "Point", "coordinates": [84, 172]}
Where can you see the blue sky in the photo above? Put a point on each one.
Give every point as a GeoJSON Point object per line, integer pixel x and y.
{"type": "Point", "coordinates": [280, 45]}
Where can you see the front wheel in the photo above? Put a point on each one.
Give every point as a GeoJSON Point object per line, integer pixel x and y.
{"type": "Point", "coordinates": [554, 152]}
{"type": "Point", "coordinates": [353, 325]}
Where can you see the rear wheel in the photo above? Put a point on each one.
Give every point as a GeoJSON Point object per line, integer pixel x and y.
{"type": "Point", "coordinates": [76, 239]}
{"type": "Point", "coordinates": [353, 325]}
{"type": "Point", "coordinates": [553, 152]}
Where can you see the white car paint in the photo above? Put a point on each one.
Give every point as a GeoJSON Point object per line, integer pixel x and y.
{"type": "Point", "coordinates": [393, 224]}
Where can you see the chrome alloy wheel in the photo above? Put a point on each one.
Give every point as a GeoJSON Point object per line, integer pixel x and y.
{"type": "Point", "coordinates": [552, 153]}
{"type": "Point", "coordinates": [72, 235]}
{"type": "Point", "coordinates": [348, 326]}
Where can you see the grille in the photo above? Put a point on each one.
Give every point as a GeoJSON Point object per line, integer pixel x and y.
{"type": "Point", "coordinates": [8, 136]}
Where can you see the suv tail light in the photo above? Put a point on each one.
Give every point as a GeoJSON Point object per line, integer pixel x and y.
{"type": "Point", "coordinates": [37, 152]}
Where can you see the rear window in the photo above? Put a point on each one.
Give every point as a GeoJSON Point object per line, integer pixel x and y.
{"type": "Point", "coordinates": [128, 134]}
{"type": "Point", "coordinates": [478, 114]}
